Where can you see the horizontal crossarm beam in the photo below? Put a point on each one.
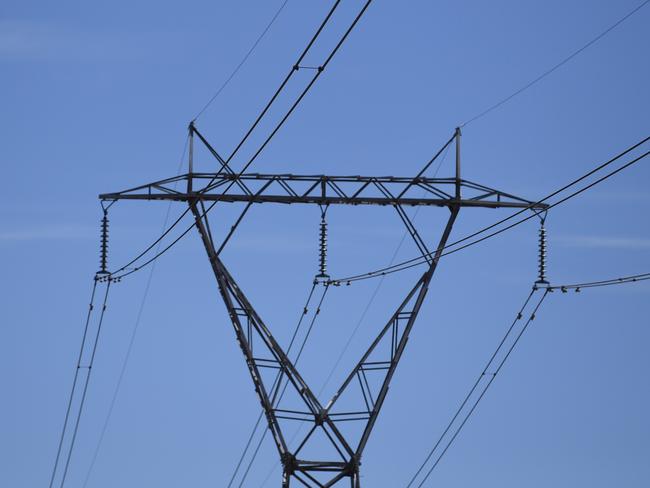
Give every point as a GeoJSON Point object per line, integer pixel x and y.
{"type": "Point", "coordinates": [324, 190]}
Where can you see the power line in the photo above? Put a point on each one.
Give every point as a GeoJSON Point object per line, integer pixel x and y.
{"type": "Point", "coordinates": [628, 279]}
{"type": "Point", "coordinates": [88, 369]}
{"type": "Point", "coordinates": [205, 107]}
{"type": "Point", "coordinates": [279, 125]}
{"type": "Point", "coordinates": [283, 84]}
{"type": "Point", "coordinates": [417, 261]}
{"type": "Point", "coordinates": [471, 391]}
{"type": "Point", "coordinates": [247, 134]}
{"type": "Point", "coordinates": [134, 332]}
{"type": "Point", "coordinates": [74, 382]}
{"type": "Point", "coordinates": [392, 259]}
{"type": "Point", "coordinates": [420, 259]}
{"type": "Point", "coordinates": [284, 389]}
{"type": "Point", "coordinates": [562, 200]}
{"type": "Point", "coordinates": [553, 205]}
{"type": "Point", "coordinates": [292, 71]}
{"type": "Point", "coordinates": [596, 284]}
{"type": "Point", "coordinates": [444, 150]}
{"type": "Point", "coordinates": [242, 62]}
{"type": "Point", "coordinates": [295, 68]}
{"type": "Point", "coordinates": [556, 66]}
{"type": "Point", "coordinates": [304, 312]}
{"type": "Point", "coordinates": [256, 122]}
{"type": "Point", "coordinates": [234, 152]}
{"type": "Point", "coordinates": [484, 374]}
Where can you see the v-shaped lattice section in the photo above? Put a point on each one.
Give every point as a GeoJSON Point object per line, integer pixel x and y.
{"type": "Point", "coordinates": [358, 401]}
{"type": "Point", "coordinates": [284, 393]}
{"type": "Point", "coordinates": [330, 450]}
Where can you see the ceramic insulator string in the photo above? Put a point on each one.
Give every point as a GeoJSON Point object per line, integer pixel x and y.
{"type": "Point", "coordinates": [322, 262]}
{"type": "Point", "coordinates": [542, 255]}
{"type": "Point", "coordinates": [103, 252]}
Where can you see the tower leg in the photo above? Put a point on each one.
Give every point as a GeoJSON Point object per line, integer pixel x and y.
{"type": "Point", "coordinates": [285, 479]}
{"type": "Point", "coordinates": [355, 482]}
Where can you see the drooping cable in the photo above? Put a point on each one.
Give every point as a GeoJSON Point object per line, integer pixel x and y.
{"type": "Point", "coordinates": [74, 383]}
{"type": "Point", "coordinates": [553, 205]}
{"type": "Point", "coordinates": [303, 343]}
{"type": "Point", "coordinates": [156, 243]}
{"type": "Point", "coordinates": [261, 115]}
{"type": "Point", "coordinates": [464, 124]}
{"type": "Point", "coordinates": [134, 332]}
{"type": "Point", "coordinates": [91, 348]}
{"type": "Point", "coordinates": [272, 100]}
{"type": "Point", "coordinates": [278, 398]}
{"type": "Point", "coordinates": [480, 387]}
{"type": "Point", "coordinates": [232, 154]}
{"type": "Point", "coordinates": [317, 74]}
{"type": "Point", "coordinates": [444, 151]}
{"type": "Point", "coordinates": [419, 260]}
{"type": "Point", "coordinates": [548, 289]}
{"type": "Point", "coordinates": [303, 314]}
{"type": "Point", "coordinates": [285, 81]}
{"type": "Point", "coordinates": [596, 284]}
{"type": "Point", "coordinates": [555, 67]}
{"type": "Point", "coordinates": [297, 101]}
{"type": "Point", "coordinates": [243, 61]}
{"type": "Point", "coordinates": [380, 283]}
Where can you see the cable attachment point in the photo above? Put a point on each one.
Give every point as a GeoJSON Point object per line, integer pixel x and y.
{"type": "Point", "coordinates": [322, 255]}
{"type": "Point", "coordinates": [297, 67]}
{"type": "Point", "coordinates": [541, 278]}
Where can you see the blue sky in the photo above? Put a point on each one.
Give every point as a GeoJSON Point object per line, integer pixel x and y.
{"type": "Point", "coordinates": [97, 97]}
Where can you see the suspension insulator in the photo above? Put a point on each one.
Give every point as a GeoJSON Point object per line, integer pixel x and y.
{"type": "Point", "coordinates": [541, 278]}
{"type": "Point", "coordinates": [322, 263]}
{"type": "Point", "coordinates": [103, 250]}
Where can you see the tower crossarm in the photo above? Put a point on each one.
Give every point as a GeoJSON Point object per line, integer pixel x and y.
{"type": "Point", "coordinates": [323, 190]}
{"type": "Point", "coordinates": [331, 449]}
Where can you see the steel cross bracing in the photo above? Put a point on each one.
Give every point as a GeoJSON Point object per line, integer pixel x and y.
{"type": "Point", "coordinates": [321, 190]}
{"type": "Point", "coordinates": [338, 430]}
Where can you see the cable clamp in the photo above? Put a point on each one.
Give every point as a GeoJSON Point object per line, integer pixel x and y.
{"type": "Point", "coordinates": [315, 68]}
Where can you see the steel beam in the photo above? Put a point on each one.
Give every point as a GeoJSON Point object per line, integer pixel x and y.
{"type": "Point", "coordinates": [325, 190]}
{"type": "Point", "coordinates": [253, 188]}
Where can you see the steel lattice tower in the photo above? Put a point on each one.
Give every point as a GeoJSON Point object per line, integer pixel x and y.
{"type": "Point", "coordinates": [367, 384]}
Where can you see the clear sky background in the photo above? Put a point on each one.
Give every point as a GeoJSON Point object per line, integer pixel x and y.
{"type": "Point", "coordinates": [96, 97]}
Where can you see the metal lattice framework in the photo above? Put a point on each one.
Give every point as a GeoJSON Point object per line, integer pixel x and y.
{"type": "Point", "coordinates": [343, 424]}
{"type": "Point", "coordinates": [321, 190]}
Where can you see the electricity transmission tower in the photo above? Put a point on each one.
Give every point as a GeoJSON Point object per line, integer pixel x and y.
{"type": "Point", "coordinates": [330, 450]}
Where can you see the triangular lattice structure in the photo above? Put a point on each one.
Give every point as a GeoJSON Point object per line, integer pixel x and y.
{"type": "Point", "coordinates": [330, 449]}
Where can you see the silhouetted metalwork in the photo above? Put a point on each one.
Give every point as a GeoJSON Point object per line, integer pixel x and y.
{"type": "Point", "coordinates": [343, 424]}
{"type": "Point", "coordinates": [323, 190]}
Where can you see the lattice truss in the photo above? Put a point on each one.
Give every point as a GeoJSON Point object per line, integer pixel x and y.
{"type": "Point", "coordinates": [321, 189]}
{"type": "Point", "coordinates": [329, 451]}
